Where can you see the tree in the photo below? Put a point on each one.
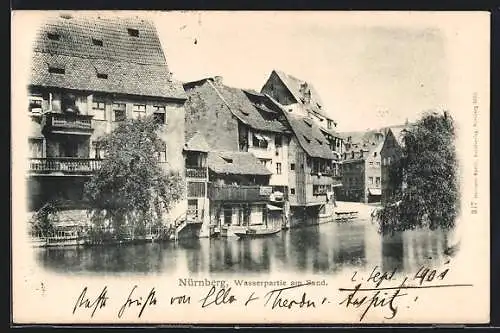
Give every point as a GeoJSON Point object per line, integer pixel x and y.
{"type": "Point", "coordinates": [44, 220]}
{"type": "Point", "coordinates": [426, 176]}
{"type": "Point", "coordinates": [131, 190]}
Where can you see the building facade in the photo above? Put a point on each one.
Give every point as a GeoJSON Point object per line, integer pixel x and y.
{"type": "Point", "coordinates": [299, 97]}
{"type": "Point", "coordinates": [239, 193]}
{"type": "Point", "coordinates": [233, 120]}
{"type": "Point", "coordinates": [88, 75]}
{"type": "Point", "coordinates": [361, 166]}
{"type": "Point", "coordinates": [391, 152]}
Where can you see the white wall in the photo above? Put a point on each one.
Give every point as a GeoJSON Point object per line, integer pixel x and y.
{"type": "Point", "coordinates": [270, 153]}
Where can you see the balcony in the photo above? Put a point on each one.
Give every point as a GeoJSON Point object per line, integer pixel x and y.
{"type": "Point", "coordinates": [63, 166]}
{"type": "Point", "coordinates": [67, 123]}
{"type": "Point", "coordinates": [196, 172]}
{"type": "Point", "coordinates": [239, 193]}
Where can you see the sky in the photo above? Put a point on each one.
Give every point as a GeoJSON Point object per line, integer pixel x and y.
{"type": "Point", "coordinates": [371, 70]}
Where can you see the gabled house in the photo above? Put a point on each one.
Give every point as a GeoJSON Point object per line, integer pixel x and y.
{"type": "Point", "coordinates": [233, 119]}
{"type": "Point", "coordinates": [312, 164]}
{"type": "Point", "coordinates": [301, 98]}
{"type": "Point", "coordinates": [89, 73]}
{"type": "Point", "coordinates": [391, 152]}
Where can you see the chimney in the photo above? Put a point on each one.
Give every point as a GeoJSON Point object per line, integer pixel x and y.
{"type": "Point", "coordinates": [218, 80]}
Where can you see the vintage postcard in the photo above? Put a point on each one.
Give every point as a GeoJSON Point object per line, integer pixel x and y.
{"type": "Point", "coordinates": [250, 167]}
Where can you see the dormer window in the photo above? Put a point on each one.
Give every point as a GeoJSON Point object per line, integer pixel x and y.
{"type": "Point", "coordinates": [330, 124]}
{"type": "Point", "coordinates": [53, 36]}
{"type": "Point", "coordinates": [228, 160]}
{"type": "Point", "coordinates": [57, 70]}
{"type": "Point", "coordinates": [319, 141]}
{"type": "Point", "coordinates": [307, 139]}
{"type": "Point", "coordinates": [133, 32]}
{"type": "Point", "coordinates": [97, 42]}
{"type": "Point", "coordinates": [102, 76]}
{"type": "Point", "coordinates": [308, 122]}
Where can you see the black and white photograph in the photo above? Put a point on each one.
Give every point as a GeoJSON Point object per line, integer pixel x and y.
{"type": "Point", "coordinates": [190, 167]}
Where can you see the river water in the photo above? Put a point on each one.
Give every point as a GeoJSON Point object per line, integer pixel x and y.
{"type": "Point", "coordinates": [325, 248]}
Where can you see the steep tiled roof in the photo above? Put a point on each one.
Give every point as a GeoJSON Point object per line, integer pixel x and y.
{"type": "Point", "coordinates": [236, 163]}
{"type": "Point", "coordinates": [238, 103]}
{"type": "Point", "coordinates": [294, 86]}
{"type": "Point", "coordinates": [332, 132]}
{"type": "Point", "coordinates": [197, 143]}
{"type": "Point", "coordinates": [398, 133]}
{"type": "Point", "coordinates": [244, 110]}
{"type": "Point", "coordinates": [309, 135]}
{"type": "Point", "coordinates": [84, 46]}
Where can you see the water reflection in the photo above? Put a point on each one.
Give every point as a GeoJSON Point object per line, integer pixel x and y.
{"type": "Point", "coordinates": [326, 248]}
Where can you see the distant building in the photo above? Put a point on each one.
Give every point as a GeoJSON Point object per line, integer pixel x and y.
{"type": "Point", "coordinates": [361, 175]}
{"type": "Point", "coordinates": [391, 152]}
{"type": "Point", "coordinates": [88, 74]}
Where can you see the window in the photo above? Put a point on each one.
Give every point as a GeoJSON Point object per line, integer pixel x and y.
{"type": "Point", "coordinates": [159, 114]}
{"type": "Point", "coordinates": [53, 36]}
{"type": "Point", "coordinates": [292, 166]}
{"type": "Point", "coordinates": [377, 181]}
{"type": "Point", "coordinates": [378, 164]}
{"type": "Point", "coordinates": [370, 180]}
{"type": "Point", "coordinates": [374, 154]}
{"type": "Point", "coordinates": [99, 107]}
{"type": "Point", "coordinates": [292, 191]}
{"type": "Point", "coordinates": [133, 32]}
{"type": "Point", "coordinates": [320, 189]}
{"type": "Point", "coordinates": [102, 76]}
{"type": "Point", "coordinates": [196, 189]}
{"type": "Point", "coordinates": [97, 42]}
{"type": "Point", "coordinates": [68, 148]}
{"type": "Point", "coordinates": [162, 153]}
{"type": "Point", "coordinates": [36, 147]}
{"type": "Point", "coordinates": [278, 141]}
{"type": "Point", "coordinates": [371, 163]}
{"type": "Point", "coordinates": [35, 104]}
{"type": "Point", "coordinates": [389, 160]}
{"type": "Point", "coordinates": [56, 70]}
{"type": "Point", "coordinates": [329, 124]}
{"type": "Point", "coordinates": [98, 149]}
{"type": "Point", "coordinates": [139, 110]}
{"type": "Point", "coordinates": [278, 168]}
{"type": "Point", "coordinates": [259, 141]}
{"type": "Point", "coordinates": [119, 111]}
{"type": "Point", "coordinates": [192, 206]}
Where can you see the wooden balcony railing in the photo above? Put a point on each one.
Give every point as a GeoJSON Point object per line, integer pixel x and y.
{"type": "Point", "coordinates": [64, 164]}
{"type": "Point", "coordinates": [238, 193]}
{"type": "Point", "coordinates": [196, 172]}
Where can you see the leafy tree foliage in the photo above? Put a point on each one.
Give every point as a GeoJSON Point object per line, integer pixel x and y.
{"type": "Point", "coordinates": [131, 191]}
{"type": "Point", "coordinates": [44, 220]}
{"type": "Point", "coordinates": [426, 178]}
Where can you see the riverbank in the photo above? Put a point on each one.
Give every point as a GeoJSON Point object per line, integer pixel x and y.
{"type": "Point", "coordinates": [364, 210]}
